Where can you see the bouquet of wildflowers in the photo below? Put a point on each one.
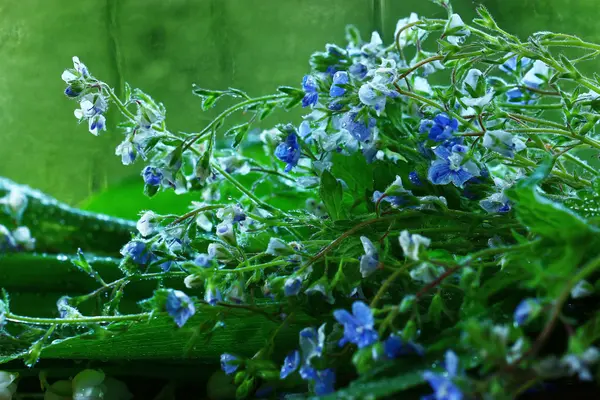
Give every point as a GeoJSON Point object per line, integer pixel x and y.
{"type": "Point", "coordinates": [430, 226]}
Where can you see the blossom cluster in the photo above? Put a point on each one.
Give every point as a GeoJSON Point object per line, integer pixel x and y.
{"type": "Point", "coordinates": [421, 216]}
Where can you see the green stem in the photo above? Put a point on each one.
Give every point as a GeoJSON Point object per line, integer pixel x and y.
{"type": "Point", "coordinates": [243, 189]}
{"type": "Point", "coordinates": [118, 102]}
{"type": "Point", "coordinates": [207, 130]}
{"type": "Point", "coordinates": [83, 320]}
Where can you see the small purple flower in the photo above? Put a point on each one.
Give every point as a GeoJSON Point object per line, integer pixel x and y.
{"type": "Point", "coordinates": [152, 175]}
{"type": "Point", "coordinates": [138, 252]}
{"type": "Point", "coordinates": [212, 296]}
{"type": "Point", "coordinates": [441, 128]}
{"type": "Point", "coordinates": [451, 166]}
{"type": "Point", "coordinates": [340, 78]}
{"type": "Point", "coordinates": [229, 363]}
{"type": "Point", "coordinates": [358, 70]}
{"type": "Point", "coordinates": [324, 382]}
{"type": "Point", "coordinates": [335, 106]}
{"type": "Point", "coordinates": [442, 385]}
{"type": "Point", "coordinates": [180, 307]}
{"type": "Point", "coordinates": [525, 310]}
{"type": "Point", "coordinates": [203, 260]}
{"type": "Point", "coordinates": [393, 200]}
{"type": "Point", "coordinates": [496, 203]}
{"type": "Point", "coordinates": [289, 152]}
{"type": "Point", "coordinates": [413, 177]}
{"type": "Point", "coordinates": [395, 347]}
{"type": "Point", "coordinates": [312, 342]}
{"type": "Point", "coordinates": [71, 91]}
{"type": "Point", "coordinates": [309, 85]}
{"type": "Point", "coordinates": [357, 127]}
{"type": "Point", "coordinates": [292, 286]}
{"type": "Point", "coordinates": [513, 63]}
{"type": "Point", "coordinates": [370, 153]}
{"type": "Point", "coordinates": [370, 261]}
{"type": "Point", "coordinates": [290, 364]}
{"type": "Point", "coordinates": [358, 326]}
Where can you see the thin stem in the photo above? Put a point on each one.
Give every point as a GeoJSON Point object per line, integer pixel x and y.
{"type": "Point", "coordinates": [243, 189]}
{"type": "Point", "coordinates": [83, 320]}
{"type": "Point", "coordinates": [118, 102]}
{"type": "Point", "coordinates": [208, 128]}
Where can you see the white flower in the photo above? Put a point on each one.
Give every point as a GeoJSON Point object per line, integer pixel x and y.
{"type": "Point", "coordinates": [582, 289]}
{"type": "Point", "coordinates": [225, 232]}
{"type": "Point", "coordinates": [15, 202]}
{"type": "Point", "coordinates": [456, 34]}
{"type": "Point", "coordinates": [535, 76]}
{"type": "Point", "coordinates": [408, 36]}
{"type": "Point", "coordinates": [87, 385]}
{"type": "Point", "coordinates": [479, 101]}
{"type": "Point", "coordinates": [425, 273]}
{"type": "Point", "coordinates": [421, 84]}
{"type": "Point", "coordinates": [502, 142]}
{"type": "Point", "coordinates": [79, 71]}
{"type": "Point", "coordinates": [204, 223]}
{"type": "Point", "coordinates": [411, 244]}
{"type": "Point", "coordinates": [7, 385]}
{"type": "Point", "coordinates": [22, 236]}
{"type": "Point", "coordinates": [471, 81]}
{"type": "Point", "coordinates": [127, 152]}
{"type": "Point", "coordinates": [374, 46]}
{"type": "Point", "coordinates": [146, 224]}
{"type": "Point", "coordinates": [579, 364]}
{"type": "Point", "coordinates": [91, 108]}
{"type": "Point", "coordinates": [278, 247]}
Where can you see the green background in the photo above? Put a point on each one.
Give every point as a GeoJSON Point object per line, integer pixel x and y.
{"type": "Point", "coordinates": [163, 46]}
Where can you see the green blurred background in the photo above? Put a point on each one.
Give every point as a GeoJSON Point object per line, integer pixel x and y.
{"type": "Point", "coordinates": [162, 47]}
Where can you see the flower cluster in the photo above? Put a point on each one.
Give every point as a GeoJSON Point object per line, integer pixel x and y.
{"type": "Point", "coordinates": [392, 216]}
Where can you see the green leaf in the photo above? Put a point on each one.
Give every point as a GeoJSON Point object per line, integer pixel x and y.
{"type": "Point", "coordinates": [355, 171]}
{"type": "Point", "coordinates": [545, 217]}
{"type": "Point", "coordinates": [331, 193]}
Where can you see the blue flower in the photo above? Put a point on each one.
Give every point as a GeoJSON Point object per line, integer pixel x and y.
{"type": "Point", "coordinates": [229, 363]}
{"type": "Point", "coordinates": [358, 326]}
{"type": "Point", "coordinates": [212, 296]}
{"type": "Point", "coordinates": [340, 78]}
{"type": "Point", "coordinates": [358, 70]}
{"type": "Point", "coordinates": [394, 347]}
{"type": "Point", "coordinates": [442, 385]}
{"type": "Point", "coordinates": [502, 142]}
{"type": "Point", "coordinates": [309, 85]}
{"type": "Point", "coordinates": [203, 260]}
{"type": "Point", "coordinates": [496, 203]}
{"type": "Point", "coordinates": [127, 152]}
{"type": "Point", "coordinates": [413, 177]}
{"type": "Point", "coordinates": [451, 167]}
{"type": "Point", "coordinates": [71, 91]}
{"type": "Point", "coordinates": [370, 261]}
{"type": "Point", "coordinates": [357, 127]}
{"type": "Point", "coordinates": [393, 200]}
{"type": "Point", "coordinates": [526, 310]}
{"type": "Point", "coordinates": [289, 152]}
{"type": "Point", "coordinates": [513, 63]}
{"type": "Point", "coordinates": [324, 382]}
{"type": "Point", "coordinates": [370, 153]}
{"type": "Point", "coordinates": [335, 106]}
{"type": "Point", "coordinates": [514, 95]}
{"type": "Point", "coordinates": [152, 175]}
{"type": "Point", "coordinates": [311, 343]}
{"type": "Point", "coordinates": [138, 252]}
{"type": "Point", "coordinates": [292, 286]}
{"type": "Point", "coordinates": [441, 128]}
{"type": "Point", "coordinates": [180, 307]}
{"type": "Point", "coordinates": [290, 364]}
